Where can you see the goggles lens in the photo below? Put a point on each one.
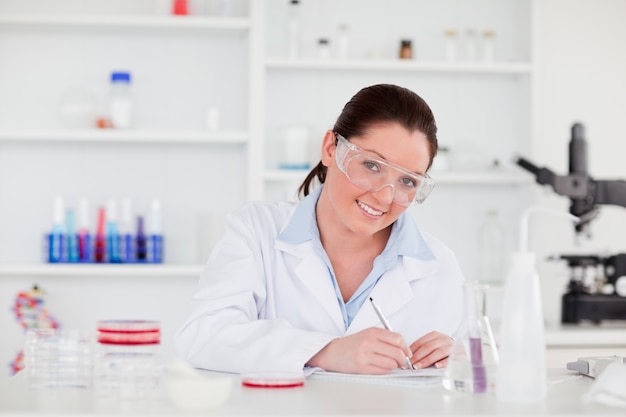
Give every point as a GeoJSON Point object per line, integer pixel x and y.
{"type": "Point", "coordinates": [370, 173]}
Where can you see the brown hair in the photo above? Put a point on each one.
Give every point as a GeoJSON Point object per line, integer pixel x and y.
{"type": "Point", "coordinates": [381, 103]}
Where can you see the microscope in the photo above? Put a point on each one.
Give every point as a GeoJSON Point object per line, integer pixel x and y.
{"type": "Point", "coordinates": [597, 286]}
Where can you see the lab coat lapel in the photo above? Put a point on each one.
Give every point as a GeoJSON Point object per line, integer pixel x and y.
{"type": "Point", "coordinates": [392, 292]}
{"type": "Point", "coordinates": [313, 273]}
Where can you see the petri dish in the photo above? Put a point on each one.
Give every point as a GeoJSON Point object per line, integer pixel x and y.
{"type": "Point", "coordinates": [272, 380]}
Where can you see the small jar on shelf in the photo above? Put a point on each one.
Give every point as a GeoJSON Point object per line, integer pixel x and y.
{"type": "Point", "coordinates": [323, 48]}
{"type": "Point", "coordinates": [406, 49]}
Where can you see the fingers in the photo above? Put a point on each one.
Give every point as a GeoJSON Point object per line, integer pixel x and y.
{"type": "Point", "coordinates": [372, 351]}
{"type": "Point", "coordinates": [431, 349]}
{"type": "Point", "coordinates": [391, 345]}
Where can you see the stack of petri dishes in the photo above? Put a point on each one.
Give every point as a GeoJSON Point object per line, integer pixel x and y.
{"type": "Point", "coordinates": [128, 362]}
{"type": "Point", "coordinates": [56, 358]}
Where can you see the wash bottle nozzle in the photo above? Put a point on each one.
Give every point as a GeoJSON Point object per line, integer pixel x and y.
{"type": "Point", "coordinates": [523, 232]}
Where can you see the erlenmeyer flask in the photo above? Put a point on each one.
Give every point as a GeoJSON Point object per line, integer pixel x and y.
{"type": "Point", "coordinates": [474, 358]}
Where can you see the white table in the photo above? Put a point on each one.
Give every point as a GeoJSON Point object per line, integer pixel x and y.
{"type": "Point", "coordinates": [317, 397]}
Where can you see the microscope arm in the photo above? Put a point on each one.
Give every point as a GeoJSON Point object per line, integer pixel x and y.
{"type": "Point", "coordinates": [581, 189]}
{"type": "Point", "coordinates": [611, 192]}
{"type": "Point", "coordinates": [572, 186]}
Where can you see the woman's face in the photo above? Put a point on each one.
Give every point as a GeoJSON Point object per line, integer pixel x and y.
{"type": "Point", "coordinates": [367, 212]}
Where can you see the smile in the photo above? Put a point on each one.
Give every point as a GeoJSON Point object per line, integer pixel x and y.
{"type": "Point", "coordinates": [369, 210]}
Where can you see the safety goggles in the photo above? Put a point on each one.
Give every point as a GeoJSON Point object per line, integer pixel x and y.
{"type": "Point", "coordinates": [372, 174]}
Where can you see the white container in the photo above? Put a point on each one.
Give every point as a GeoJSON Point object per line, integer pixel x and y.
{"type": "Point", "coordinates": [323, 48]}
{"type": "Point", "coordinates": [522, 374]}
{"type": "Point", "coordinates": [121, 100]}
{"type": "Point", "coordinates": [295, 149]}
{"type": "Point", "coordinates": [343, 42]}
{"type": "Point", "coordinates": [489, 47]}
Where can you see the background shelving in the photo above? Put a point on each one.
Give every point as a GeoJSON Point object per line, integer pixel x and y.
{"type": "Point", "coordinates": [85, 21]}
{"type": "Point", "coordinates": [117, 136]}
{"type": "Point", "coordinates": [440, 67]}
{"type": "Point", "coordinates": [99, 270]}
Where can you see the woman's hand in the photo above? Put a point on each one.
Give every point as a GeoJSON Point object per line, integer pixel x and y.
{"type": "Point", "coordinates": [370, 351]}
{"type": "Point", "coordinates": [432, 348]}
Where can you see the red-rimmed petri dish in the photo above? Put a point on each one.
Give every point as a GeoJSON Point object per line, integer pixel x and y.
{"type": "Point", "coordinates": [129, 332]}
{"type": "Point", "coordinates": [272, 380]}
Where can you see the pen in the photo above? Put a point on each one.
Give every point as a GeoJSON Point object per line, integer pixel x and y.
{"type": "Point", "coordinates": [387, 326]}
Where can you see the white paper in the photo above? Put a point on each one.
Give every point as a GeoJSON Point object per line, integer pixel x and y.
{"type": "Point", "coordinates": [405, 377]}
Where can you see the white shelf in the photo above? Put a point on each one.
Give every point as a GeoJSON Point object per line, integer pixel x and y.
{"type": "Point", "coordinates": [123, 136]}
{"type": "Point", "coordinates": [225, 24]}
{"type": "Point", "coordinates": [74, 270]}
{"type": "Point", "coordinates": [505, 68]}
{"type": "Point", "coordinates": [441, 178]}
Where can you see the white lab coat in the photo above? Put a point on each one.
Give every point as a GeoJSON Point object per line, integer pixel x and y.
{"type": "Point", "coordinates": [265, 305]}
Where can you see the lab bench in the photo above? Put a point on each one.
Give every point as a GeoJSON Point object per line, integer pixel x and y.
{"type": "Point", "coordinates": [567, 343]}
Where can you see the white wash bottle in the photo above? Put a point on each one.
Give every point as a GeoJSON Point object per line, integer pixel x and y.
{"type": "Point", "coordinates": [521, 375]}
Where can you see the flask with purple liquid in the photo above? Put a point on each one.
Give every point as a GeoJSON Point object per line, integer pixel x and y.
{"type": "Point", "coordinates": [473, 360]}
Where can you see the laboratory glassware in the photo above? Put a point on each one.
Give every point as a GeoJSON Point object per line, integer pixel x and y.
{"type": "Point", "coordinates": [128, 362]}
{"type": "Point", "coordinates": [56, 358]}
{"type": "Point", "coordinates": [473, 360]}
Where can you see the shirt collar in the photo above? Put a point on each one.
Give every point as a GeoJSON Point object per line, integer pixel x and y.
{"type": "Point", "coordinates": [405, 239]}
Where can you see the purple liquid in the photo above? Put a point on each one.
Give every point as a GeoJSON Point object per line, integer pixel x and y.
{"type": "Point", "coordinates": [478, 368]}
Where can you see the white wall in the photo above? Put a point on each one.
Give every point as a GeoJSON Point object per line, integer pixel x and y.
{"type": "Point", "coordinates": [581, 78]}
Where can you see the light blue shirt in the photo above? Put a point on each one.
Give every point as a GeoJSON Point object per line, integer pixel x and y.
{"type": "Point", "coordinates": [405, 240]}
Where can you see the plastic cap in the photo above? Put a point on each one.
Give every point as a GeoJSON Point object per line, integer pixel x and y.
{"type": "Point", "coordinates": [59, 211]}
{"type": "Point", "coordinates": [120, 77]}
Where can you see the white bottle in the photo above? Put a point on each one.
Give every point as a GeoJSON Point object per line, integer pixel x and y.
{"type": "Point", "coordinates": [489, 45]}
{"type": "Point", "coordinates": [121, 100]}
{"type": "Point", "coordinates": [293, 30]}
{"type": "Point", "coordinates": [491, 245]}
{"type": "Point", "coordinates": [343, 42]}
{"type": "Point", "coordinates": [521, 375]}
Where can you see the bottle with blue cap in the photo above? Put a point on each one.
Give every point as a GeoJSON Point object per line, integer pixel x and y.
{"type": "Point", "coordinates": [121, 100]}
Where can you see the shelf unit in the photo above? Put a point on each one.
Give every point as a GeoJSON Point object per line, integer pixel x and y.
{"type": "Point", "coordinates": [99, 270]}
{"type": "Point", "coordinates": [275, 86]}
{"type": "Point", "coordinates": [170, 145]}
{"type": "Point", "coordinates": [117, 136]}
{"type": "Point", "coordinates": [503, 68]}
{"type": "Point", "coordinates": [85, 21]}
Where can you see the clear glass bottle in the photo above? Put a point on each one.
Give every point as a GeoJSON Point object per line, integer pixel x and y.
{"type": "Point", "coordinates": [473, 360]}
{"type": "Point", "coordinates": [491, 247]}
{"type": "Point", "coordinates": [128, 362]}
{"type": "Point", "coordinates": [121, 100]}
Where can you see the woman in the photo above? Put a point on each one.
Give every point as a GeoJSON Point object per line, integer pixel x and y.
{"type": "Point", "coordinates": [287, 286]}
